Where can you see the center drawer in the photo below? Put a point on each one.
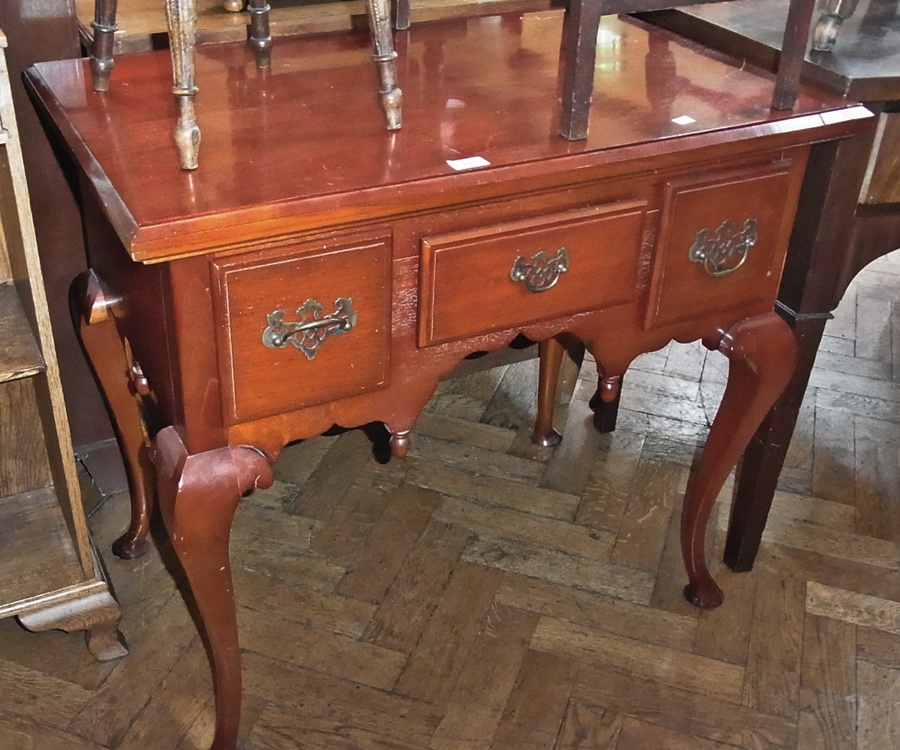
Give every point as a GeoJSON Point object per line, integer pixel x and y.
{"type": "Point", "coordinates": [509, 275]}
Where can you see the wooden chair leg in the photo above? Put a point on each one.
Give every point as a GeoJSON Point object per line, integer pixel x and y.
{"type": "Point", "coordinates": [379, 13]}
{"type": "Point", "coordinates": [762, 353]}
{"type": "Point", "coordinates": [830, 22]}
{"type": "Point", "coordinates": [234, 6]}
{"type": "Point", "coordinates": [104, 25]}
{"type": "Point", "coordinates": [182, 19]}
{"type": "Point", "coordinates": [198, 496]}
{"type": "Point", "coordinates": [578, 54]}
{"type": "Point", "coordinates": [400, 14]}
{"type": "Point", "coordinates": [260, 40]}
{"type": "Point", "coordinates": [93, 315]}
{"type": "Point", "coordinates": [793, 51]}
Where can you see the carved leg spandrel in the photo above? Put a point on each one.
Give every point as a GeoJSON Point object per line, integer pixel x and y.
{"type": "Point", "coordinates": [104, 26]}
{"type": "Point", "coordinates": [198, 497]}
{"type": "Point", "coordinates": [93, 314]}
{"type": "Point", "coordinates": [762, 353]}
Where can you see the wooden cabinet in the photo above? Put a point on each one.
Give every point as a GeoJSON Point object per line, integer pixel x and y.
{"type": "Point", "coordinates": [50, 576]}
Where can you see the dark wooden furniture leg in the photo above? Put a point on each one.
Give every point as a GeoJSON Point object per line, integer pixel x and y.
{"type": "Point", "coordinates": [379, 13]}
{"type": "Point", "coordinates": [762, 353]}
{"type": "Point", "coordinates": [790, 61]}
{"type": "Point", "coordinates": [182, 18]}
{"type": "Point", "coordinates": [578, 54]}
{"type": "Point", "coordinates": [550, 353]}
{"type": "Point", "coordinates": [260, 39]}
{"type": "Point", "coordinates": [104, 25]}
{"type": "Point", "coordinates": [831, 19]}
{"type": "Point", "coordinates": [605, 403]}
{"type": "Point", "coordinates": [93, 314]}
{"type": "Point", "coordinates": [400, 14]}
{"type": "Point", "coordinates": [198, 496]}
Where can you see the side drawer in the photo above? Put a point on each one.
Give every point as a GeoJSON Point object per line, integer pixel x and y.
{"type": "Point", "coordinates": [513, 274]}
{"type": "Point", "coordinates": [302, 325]}
{"type": "Point", "coordinates": [723, 238]}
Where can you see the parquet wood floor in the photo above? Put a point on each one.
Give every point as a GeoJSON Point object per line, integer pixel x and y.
{"type": "Point", "coordinates": [488, 595]}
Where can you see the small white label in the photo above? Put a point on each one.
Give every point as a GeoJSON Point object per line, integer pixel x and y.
{"type": "Point", "coordinates": [470, 162]}
{"type": "Point", "coordinates": [684, 120]}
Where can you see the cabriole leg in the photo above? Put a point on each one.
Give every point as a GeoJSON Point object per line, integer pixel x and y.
{"type": "Point", "coordinates": [93, 315]}
{"type": "Point", "coordinates": [198, 496]}
{"type": "Point", "coordinates": [104, 25]}
{"type": "Point", "coordinates": [762, 353]}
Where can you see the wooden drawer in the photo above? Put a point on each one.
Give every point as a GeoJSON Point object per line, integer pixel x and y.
{"type": "Point", "coordinates": [509, 275]}
{"type": "Point", "coordinates": [266, 365]}
{"type": "Point", "coordinates": [723, 238]}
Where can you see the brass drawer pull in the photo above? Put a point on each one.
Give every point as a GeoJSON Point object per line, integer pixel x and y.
{"type": "Point", "coordinates": [313, 328]}
{"type": "Point", "coordinates": [542, 272]}
{"type": "Point", "coordinates": [725, 251]}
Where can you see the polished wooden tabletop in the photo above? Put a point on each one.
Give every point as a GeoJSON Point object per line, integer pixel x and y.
{"type": "Point", "coordinates": [864, 64]}
{"type": "Point", "coordinates": [308, 135]}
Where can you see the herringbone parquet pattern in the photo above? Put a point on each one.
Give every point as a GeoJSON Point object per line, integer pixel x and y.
{"type": "Point", "coordinates": [488, 595]}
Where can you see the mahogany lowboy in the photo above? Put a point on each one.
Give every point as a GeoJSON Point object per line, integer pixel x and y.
{"type": "Point", "coordinates": [317, 270]}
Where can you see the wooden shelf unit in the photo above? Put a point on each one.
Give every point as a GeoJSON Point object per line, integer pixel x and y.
{"type": "Point", "coordinates": [50, 575]}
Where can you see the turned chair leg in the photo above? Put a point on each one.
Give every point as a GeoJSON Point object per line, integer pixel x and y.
{"type": "Point", "coordinates": [104, 25]}
{"type": "Point", "coordinates": [260, 40]}
{"type": "Point", "coordinates": [762, 353]}
{"type": "Point", "coordinates": [831, 19]}
{"type": "Point", "coordinates": [182, 19]}
{"type": "Point", "coordinates": [379, 13]}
